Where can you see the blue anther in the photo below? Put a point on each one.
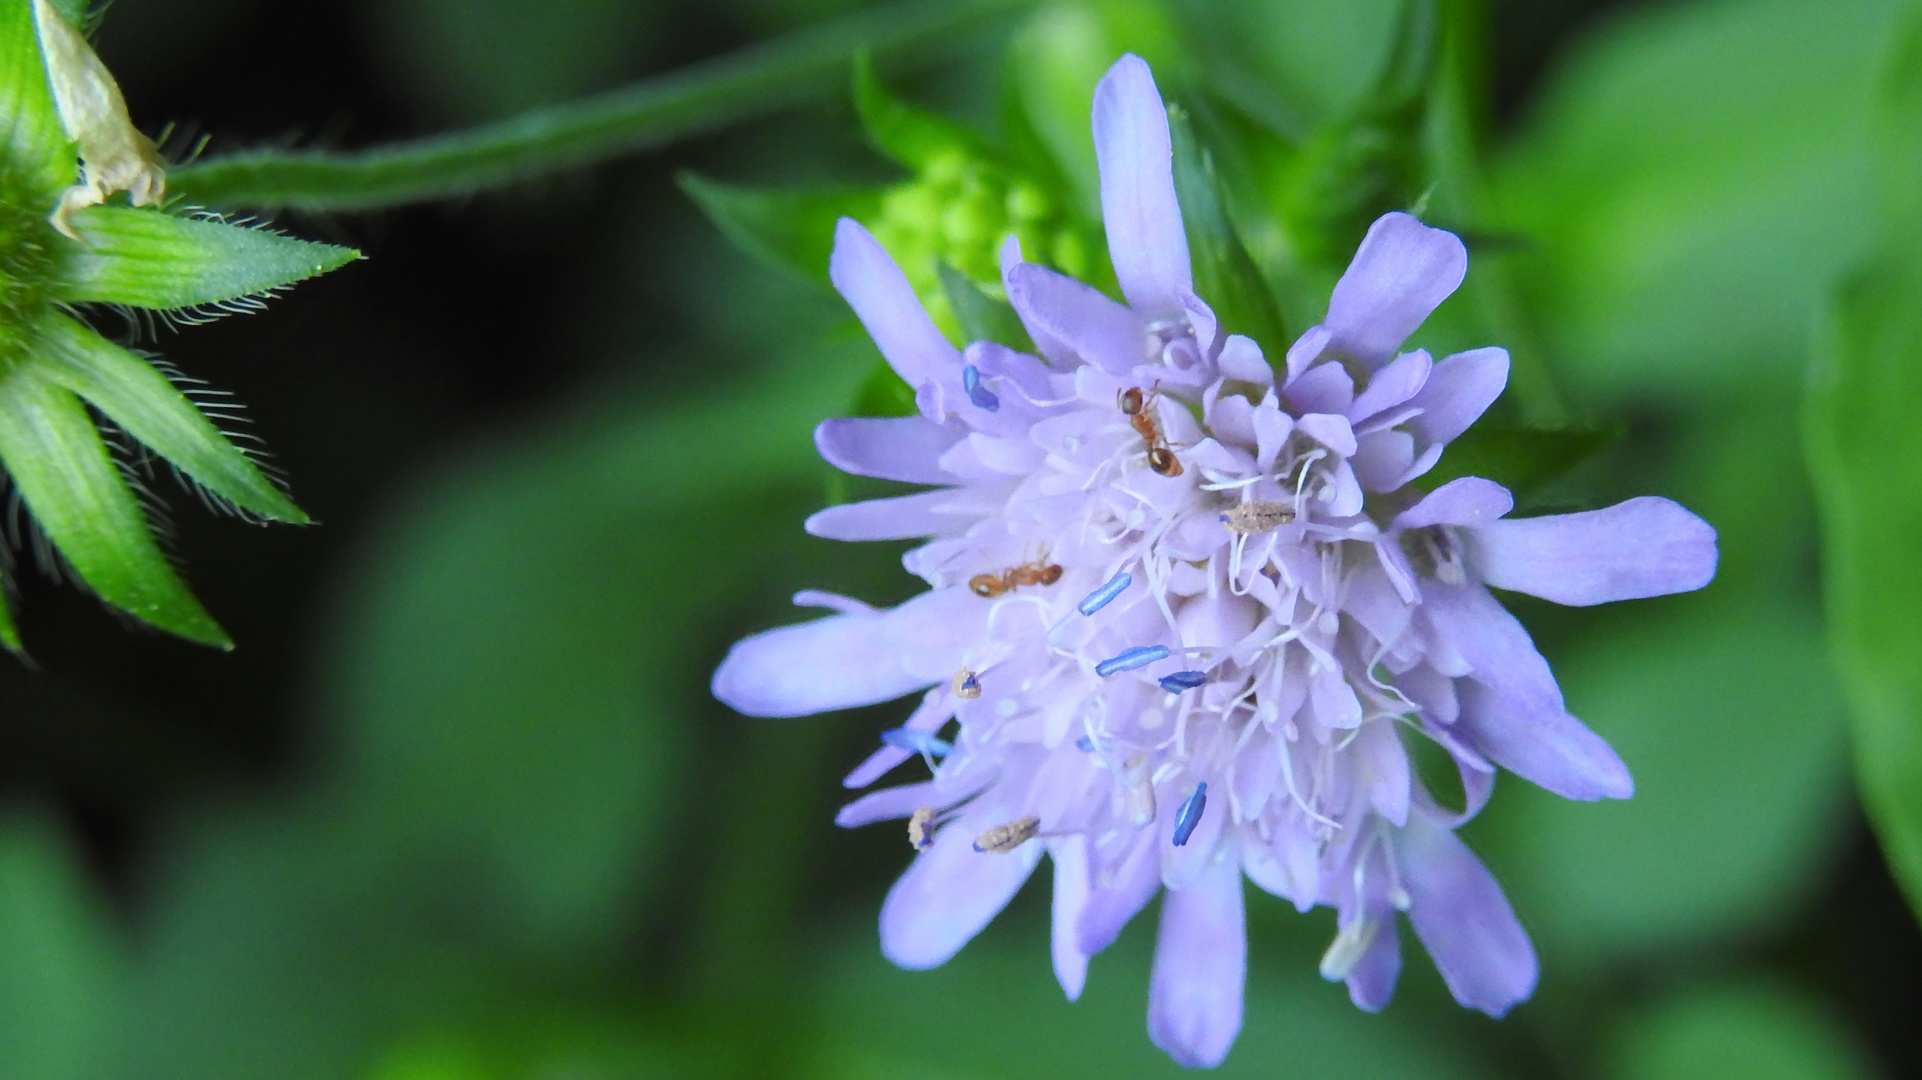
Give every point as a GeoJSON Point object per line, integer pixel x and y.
{"type": "Point", "coordinates": [1183, 680]}
{"type": "Point", "coordinates": [918, 741]}
{"type": "Point", "coordinates": [1099, 598]}
{"type": "Point", "coordinates": [1084, 744]}
{"type": "Point", "coordinates": [1189, 815]}
{"type": "Point", "coordinates": [982, 397]}
{"type": "Point", "coordinates": [1130, 659]}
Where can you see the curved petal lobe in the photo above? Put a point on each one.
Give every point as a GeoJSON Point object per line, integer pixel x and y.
{"type": "Point", "coordinates": [867, 277]}
{"type": "Point", "coordinates": [904, 448]}
{"type": "Point", "coordinates": [1403, 271]}
{"type": "Point", "coordinates": [1463, 919]}
{"type": "Point", "coordinates": [1201, 964]}
{"type": "Point", "coordinates": [848, 660]}
{"type": "Point", "coordinates": [1138, 208]}
{"type": "Point", "coordinates": [949, 893]}
{"type": "Point", "coordinates": [1459, 389]}
{"type": "Point", "coordinates": [1643, 547]}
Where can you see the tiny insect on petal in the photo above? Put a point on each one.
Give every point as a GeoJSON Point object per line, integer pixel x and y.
{"type": "Point", "coordinates": [1006, 837]}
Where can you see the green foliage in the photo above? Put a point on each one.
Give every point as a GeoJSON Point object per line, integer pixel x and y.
{"type": "Point", "coordinates": [149, 260]}
{"type": "Point", "coordinates": [141, 402]}
{"type": "Point", "coordinates": [62, 977]}
{"type": "Point", "coordinates": [1866, 457]}
{"type": "Point", "coordinates": [1733, 728]}
{"type": "Point", "coordinates": [982, 317]}
{"type": "Point", "coordinates": [1224, 274]}
{"type": "Point", "coordinates": [1746, 1031]}
{"type": "Point", "coordinates": [36, 159]}
{"type": "Point", "coordinates": [81, 499]}
{"type": "Point", "coordinates": [1520, 459]}
{"type": "Point", "coordinates": [909, 136]}
{"type": "Point", "coordinates": [789, 230]}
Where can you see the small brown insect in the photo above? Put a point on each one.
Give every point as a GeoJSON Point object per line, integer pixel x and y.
{"type": "Point", "coordinates": [921, 826]}
{"type": "Point", "coordinates": [1136, 406]}
{"type": "Point", "coordinates": [1257, 516]}
{"type": "Point", "coordinates": [1005, 838]}
{"type": "Point", "coordinates": [1038, 572]}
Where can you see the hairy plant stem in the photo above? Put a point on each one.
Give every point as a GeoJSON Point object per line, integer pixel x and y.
{"type": "Point", "coordinates": [760, 79]}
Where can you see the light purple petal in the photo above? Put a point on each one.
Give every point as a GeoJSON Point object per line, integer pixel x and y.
{"type": "Point", "coordinates": [888, 804]}
{"type": "Point", "coordinates": [1402, 272]}
{"type": "Point", "coordinates": [1402, 379]}
{"type": "Point", "coordinates": [904, 517]}
{"type": "Point", "coordinates": [1326, 388]}
{"type": "Point", "coordinates": [936, 709]}
{"type": "Point", "coordinates": [1498, 651]}
{"type": "Point", "coordinates": [1642, 547]}
{"type": "Point", "coordinates": [905, 448]}
{"type": "Point", "coordinates": [1458, 391]}
{"type": "Point", "coordinates": [1138, 207]}
{"type": "Point", "coordinates": [949, 893]}
{"type": "Point", "coordinates": [1469, 500]}
{"type": "Point", "coordinates": [1306, 350]}
{"type": "Point", "coordinates": [1110, 907]}
{"type": "Point", "coordinates": [1371, 983]}
{"type": "Point", "coordinates": [848, 660]}
{"type": "Point", "coordinates": [1330, 430]}
{"type": "Point", "coordinates": [1201, 966]}
{"type": "Point", "coordinates": [880, 295]}
{"type": "Point", "coordinates": [1086, 324]}
{"type": "Point", "coordinates": [1546, 747]}
{"type": "Point", "coordinates": [1463, 919]}
{"type": "Point", "coordinates": [1070, 855]}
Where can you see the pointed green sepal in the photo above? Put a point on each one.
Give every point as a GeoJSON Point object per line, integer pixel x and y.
{"type": "Point", "coordinates": [35, 153]}
{"type": "Point", "coordinates": [149, 408]}
{"type": "Point", "coordinates": [1519, 459]}
{"type": "Point", "coordinates": [982, 317]}
{"type": "Point", "coordinates": [147, 259]}
{"type": "Point", "coordinates": [62, 469]}
{"type": "Point", "coordinates": [788, 230]}
{"type": "Point", "coordinates": [905, 134]}
{"type": "Point", "coordinates": [1224, 271]}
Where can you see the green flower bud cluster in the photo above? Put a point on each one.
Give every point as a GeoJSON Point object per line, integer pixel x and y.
{"type": "Point", "coordinates": [66, 241]}
{"type": "Point", "coordinates": [958, 211]}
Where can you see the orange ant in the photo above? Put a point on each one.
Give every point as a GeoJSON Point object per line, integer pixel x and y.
{"type": "Point", "coordinates": [1136, 406]}
{"type": "Point", "coordinates": [1038, 572]}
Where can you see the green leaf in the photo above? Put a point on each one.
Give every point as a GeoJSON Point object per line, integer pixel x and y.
{"type": "Point", "coordinates": [1753, 1030]}
{"type": "Point", "coordinates": [913, 137]}
{"type": "Point", "coordinates": [1899, 162]}
{"type": "Point", "coordinates": [1865, 455]}
{"type": "Point", "coordinates": [1733, 726]}
{"type": "Point", "coordinates": [9, 632]}
{"type": "Point", "coordinates": [34, 151]}
{"type": "Point", "coordinates": [1225, 276]}
{"type": "Point", "coordinates": [884, 393]}
{"type": "Point", "coordinates": [62, 980]}
{"type": "Point", "coordinates": [1519, 459]}
{"type": "Point", "coordinates": [62, 470]}
{"type": "Point", "coordinates": [788, 230]}
{"type": "Point", "coordinates": [147, 259]}
{"type": "Point", "coordinates": [146, 406]}
{"type": "Point", "coordinates": [982, 317]}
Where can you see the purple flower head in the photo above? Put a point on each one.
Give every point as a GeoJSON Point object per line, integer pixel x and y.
{"type": "Point", "coordinates": [1186, 622]}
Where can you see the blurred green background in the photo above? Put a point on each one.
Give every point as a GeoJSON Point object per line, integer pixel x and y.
{"type": "Point", "coordinates": [459, 806]}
